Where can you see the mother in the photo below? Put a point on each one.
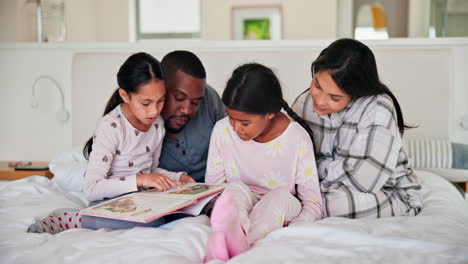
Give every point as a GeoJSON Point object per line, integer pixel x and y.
{"type": "Point", "coordinates": [357, 127]}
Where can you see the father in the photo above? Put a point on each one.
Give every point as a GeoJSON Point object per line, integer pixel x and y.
{"type": "Point", "coordinates": [191, 109]}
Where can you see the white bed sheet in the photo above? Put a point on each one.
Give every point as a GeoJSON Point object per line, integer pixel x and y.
{"type": "Point", "coordinates": [439, 234]}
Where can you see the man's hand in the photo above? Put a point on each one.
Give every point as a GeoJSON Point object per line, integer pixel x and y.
{"type": "Point", "coordinates": [155, 180]}
{"type": "Point", "coordinates": [185, 178]}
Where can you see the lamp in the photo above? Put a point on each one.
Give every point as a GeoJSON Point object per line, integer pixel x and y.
{"type": "Point", "coordinates": [62, 114]}
{"type": "Point", "coordinates": [371, 16]}
{"type": "Point", "coordinates": [371, 22]}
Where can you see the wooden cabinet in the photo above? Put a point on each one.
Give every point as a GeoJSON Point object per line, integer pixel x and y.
{"type": "Point", "coordinates": [9, 173]}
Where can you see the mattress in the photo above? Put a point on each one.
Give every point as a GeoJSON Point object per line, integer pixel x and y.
{"type": "Point", "coordinates": [439, 234]}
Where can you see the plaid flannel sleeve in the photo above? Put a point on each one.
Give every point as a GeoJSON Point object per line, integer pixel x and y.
{"type": "Point", "coordinates": [371, 159]}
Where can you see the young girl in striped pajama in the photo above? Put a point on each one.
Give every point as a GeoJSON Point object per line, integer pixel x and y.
{"type": "Point", "coordinates": [357, 126]}
{"type": "Point", "coordinates": [267, 159]}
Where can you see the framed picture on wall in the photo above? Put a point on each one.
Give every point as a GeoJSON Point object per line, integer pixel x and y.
{"type": "Point", "coordinates": [256, 23]}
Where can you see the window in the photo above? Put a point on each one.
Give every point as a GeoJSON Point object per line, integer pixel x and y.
{"type": "Point", "coordinates": [168, 19]}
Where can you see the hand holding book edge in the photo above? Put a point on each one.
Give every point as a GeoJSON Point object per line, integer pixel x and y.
{"type": "Point", "coordinates": [185, 178]}
{"type": "Point", "coordinates": [155, 180]}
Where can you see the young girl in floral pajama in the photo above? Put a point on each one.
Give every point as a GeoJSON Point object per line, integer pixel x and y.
{"type": "Point", "coordinates": [268, 161]}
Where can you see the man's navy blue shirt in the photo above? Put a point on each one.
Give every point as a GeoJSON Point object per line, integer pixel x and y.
{"type": "Point", "coordinates": [190, 153]}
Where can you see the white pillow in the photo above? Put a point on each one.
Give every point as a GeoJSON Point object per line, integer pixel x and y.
{"type": "Point", "coordinates": [445, 158]}
{"type": "Point", "coordinates": [452, 175]}
{"type": "Point", "coordinates": [69, 169]}
{"type": "Point", "coordinates": [429, 153]}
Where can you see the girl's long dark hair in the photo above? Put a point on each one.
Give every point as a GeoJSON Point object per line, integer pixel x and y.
{"type": "Point", "coordinates": [255, 89]}
{"type": "Point", "coordinates": [353, 67]}
{"type": "Point", "coordinates": [138, 69]}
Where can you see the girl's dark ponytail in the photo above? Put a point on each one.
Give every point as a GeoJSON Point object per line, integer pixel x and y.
{"type": "Point", "coordinates": [113, 102]}
{"type": "Point", "coordinates": [298, 119]}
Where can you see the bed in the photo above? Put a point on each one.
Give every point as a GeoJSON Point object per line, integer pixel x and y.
{"type": "Point", "coordinates": [439, 234]}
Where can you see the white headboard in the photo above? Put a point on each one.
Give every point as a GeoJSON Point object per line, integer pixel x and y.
{"type": "Point", "coordinates": [419, 77]}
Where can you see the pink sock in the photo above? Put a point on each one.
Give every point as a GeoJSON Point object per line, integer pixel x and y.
{"type": "Point", "coordinates": [225, 218]}
{"type": "Point", "coordinates": [217, 248]}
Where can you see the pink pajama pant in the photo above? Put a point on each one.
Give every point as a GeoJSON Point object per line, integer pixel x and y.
{"type": "Point", "coordinates": [261, 215]}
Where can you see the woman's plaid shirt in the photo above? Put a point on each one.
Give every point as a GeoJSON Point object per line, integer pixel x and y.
{"type": "Point", "coordinates": [361, 163]}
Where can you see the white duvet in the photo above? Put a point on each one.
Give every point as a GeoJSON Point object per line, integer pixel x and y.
{"type": "Point", "coordinates": [439, 234]}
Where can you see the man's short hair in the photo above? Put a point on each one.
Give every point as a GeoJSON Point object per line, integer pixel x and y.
{"type": "Point", "coordinates": [185, 61]}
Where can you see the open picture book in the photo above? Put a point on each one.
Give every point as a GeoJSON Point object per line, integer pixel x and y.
{"type": "Point", "coordinates": [146, 206]}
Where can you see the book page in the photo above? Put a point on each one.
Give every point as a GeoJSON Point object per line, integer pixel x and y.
{"type": "Point", "coordinates": [196, 208]}
{"type": "Point", "coordinates": [190, 191]}
{"type": "Point", "coordinates": [134, 207]}
{"type": "Point", "coordinates": [148, 205]}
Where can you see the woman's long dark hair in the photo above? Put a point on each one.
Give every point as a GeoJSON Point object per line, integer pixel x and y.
{"type": "Point", "coordinates": [138, 69]}
{"type": "Point", "coordinates": [255, 89]}
{"type": "Point", "coordinates": [353, 68]}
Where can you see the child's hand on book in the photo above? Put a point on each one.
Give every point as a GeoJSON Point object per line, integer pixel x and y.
{"type": "Point", "coordinates": [155, 180]}
{"type": "Point", "coordinates": [185, 178]}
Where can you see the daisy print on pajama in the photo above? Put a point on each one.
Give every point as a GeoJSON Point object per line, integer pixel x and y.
{"type": "Point", "coordinates": [267, 160]}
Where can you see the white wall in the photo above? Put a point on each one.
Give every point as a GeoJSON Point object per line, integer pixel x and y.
{"type": "Point", "coordinates": [27, 133]}
{"type": "Point", "coordinates": [302, 19]}
{"type": "Point", "coordinates": [418, 18]}
{"type": "Point", "coordinates": [344, 24]}
{"type": "Point", "coordinates": [459, 93]}
{"type": "Point", "coordinates": [18, 20]}
{"type": "Point", "coordinates": [85, 20]}
{"type": "Point", "coordinates": [97, 20]}
{"type": "Point", "coordinates": [80, 20]}
{"type": "Point", "coordinates": [6, 17]}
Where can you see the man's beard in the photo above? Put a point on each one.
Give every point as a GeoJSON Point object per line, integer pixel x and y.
{"type": "Point", "coordinates": [173, 130]}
